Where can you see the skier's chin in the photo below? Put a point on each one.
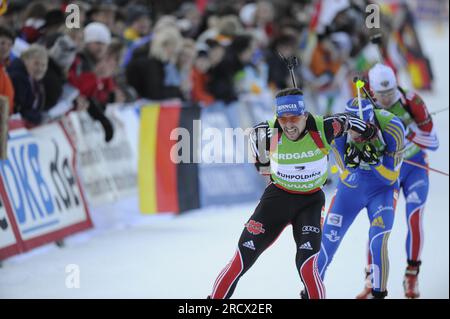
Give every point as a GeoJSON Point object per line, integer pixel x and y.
{"type": "Point", "coordinates": [292, 134]}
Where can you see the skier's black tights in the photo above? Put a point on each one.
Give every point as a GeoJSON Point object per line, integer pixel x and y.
{"type": "Point", "coordinates": [276, 210]}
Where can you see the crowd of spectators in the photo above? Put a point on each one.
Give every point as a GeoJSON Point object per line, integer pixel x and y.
{"type": "Point", "coordinates": [199, 51]}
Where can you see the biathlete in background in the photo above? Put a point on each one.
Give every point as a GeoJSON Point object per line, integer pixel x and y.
{"type": "Point", "coordinates": [421, 136]}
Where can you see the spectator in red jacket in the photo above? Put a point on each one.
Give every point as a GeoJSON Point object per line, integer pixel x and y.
{"type": "Point", "coordinates": [82, 75]}
{"type": "Point", "coordinates": [87, 74]}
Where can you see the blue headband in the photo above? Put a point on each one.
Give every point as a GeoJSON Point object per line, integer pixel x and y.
{"type": "Point", "coordinates": [292, 104]}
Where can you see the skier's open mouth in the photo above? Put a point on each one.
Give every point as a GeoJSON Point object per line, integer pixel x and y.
{"type": "Point", "coordinates": [291, 132]}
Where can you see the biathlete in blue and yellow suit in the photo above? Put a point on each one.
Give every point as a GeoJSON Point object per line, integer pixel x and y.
{"type": "Point", "coordinates": [414, 182]}
{"type": "Point", "coordinates": [369, 179]}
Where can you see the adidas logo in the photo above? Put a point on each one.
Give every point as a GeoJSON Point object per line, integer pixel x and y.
{"type": "Point", "coordinates": [378, 222]}
{"type": "Point", "coordinates": [249, 244]}
{"type": "Point", "coordinates": [413, 198]}
{"type": "Point", "coordinates": [306, 245]}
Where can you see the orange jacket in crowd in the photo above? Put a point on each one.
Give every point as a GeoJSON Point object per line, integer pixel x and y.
{"type": "Point", "coordinates": [199, 92]}
{"type": "Point", "coordinates": [321, 62]}
{"type": "Point", "coordinates": [6, 87]}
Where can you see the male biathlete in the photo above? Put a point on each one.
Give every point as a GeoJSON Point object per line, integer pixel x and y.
{"type": "Point", "coordinates": [293, 148]}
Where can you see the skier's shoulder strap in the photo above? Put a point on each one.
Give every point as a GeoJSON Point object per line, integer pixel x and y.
{"type": "Point", "coordinates": [406, 99]}
{"type": "Point", "coordinates": [273, 123]}
{"type": "Point", "coordinates": [316, 132]}
{"type": "Point", "coordinates": [382, 118]}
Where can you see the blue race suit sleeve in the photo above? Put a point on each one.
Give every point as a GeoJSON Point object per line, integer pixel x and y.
{"type": "Point", "coordinates": [388, 169]}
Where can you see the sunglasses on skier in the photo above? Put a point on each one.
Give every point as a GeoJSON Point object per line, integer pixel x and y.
{"type": "Point", "coordinates": [290, 119]}
{"type": "Point", "coordinates": [386, 96]}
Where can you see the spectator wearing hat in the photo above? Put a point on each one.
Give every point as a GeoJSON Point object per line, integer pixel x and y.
{"type": "Point", "coordinates": [26, 73]}
{"type": "Point", "coordinates": [6, 86]}
{"type": "Point", "coordinates": [82, 72]}
{"type": "Point", "coordinates": [97, 37]}
{"type": "Point", "coordinates": [87, 74]}
{"type": "Point", "coordinates": [106, 90]}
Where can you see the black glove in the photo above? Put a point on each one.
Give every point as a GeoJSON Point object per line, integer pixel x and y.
{"type": "Point", "coordinates": [351, 122]}
{"type": "Point", "coordinates": [369, 154]}
{"type": "Point", "coordinates": [260, 142]}
{"type": "Point", "coordinates": [107, 128]}
{"type": "Point", "coordinates": [370, 132]}
{"type": "Point", "coordinates": [96, 111]}
{"type": "Point", "coordinates": [351, 156]}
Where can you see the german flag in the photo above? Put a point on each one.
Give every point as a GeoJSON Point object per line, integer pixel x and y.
{"type": "Point", "coordinates": [164, 185]}
{"type": "Point", "coordinates": [418, 64]}
{"type": "Point", "coordinates": [420, 72]}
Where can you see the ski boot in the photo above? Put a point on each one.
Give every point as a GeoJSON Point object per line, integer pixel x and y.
{"type": "Point", "coordinates": [410, 281]}
{"type": "Point", "coordinates": [303, 294]}
{"type": "Point", "coordinates": [377, 294]}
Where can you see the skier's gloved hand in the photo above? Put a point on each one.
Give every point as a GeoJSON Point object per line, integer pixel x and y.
{"type": "Point", "coordinates": [351, 122]}
{"type": "Point", "coordinates": [260, 144]}
{"type": "Point", "coordinates": [351, 156]}
{"type": "Point", "coordinates": [370, 132]}
{"type": "Point", "coordinates": [369, 154]}
{"type": "Point", "coordinates": [344, 118]}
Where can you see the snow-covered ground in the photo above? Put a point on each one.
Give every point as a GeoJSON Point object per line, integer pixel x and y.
{"type": "Point", "coordinates": [133, 256]}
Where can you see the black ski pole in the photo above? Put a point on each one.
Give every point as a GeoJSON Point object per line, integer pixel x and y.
{"type": "Point", "coordinates": [291, 63]}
